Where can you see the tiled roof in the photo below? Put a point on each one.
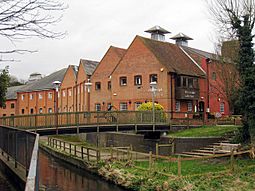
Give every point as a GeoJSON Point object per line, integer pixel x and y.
{"type": "Point", "coordinates": [173, 57]}
{"type": "Point", "coordinates": [119, 51]}
{"type": "Point", "coordinates": [12, 91]}
{"type": "Point", "coordinates": [45, 83]}
{"type": "Point", "coordinates": [202, 53]}
{"type": "Point", "coordinates": [89, 66]}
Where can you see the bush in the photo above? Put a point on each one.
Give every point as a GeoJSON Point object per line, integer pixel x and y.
{"type": "Point", "coordinates": [147, 116]}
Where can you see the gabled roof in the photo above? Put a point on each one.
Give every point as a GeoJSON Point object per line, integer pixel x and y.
{"type": "Point", "coordinates": [173, 58]}
{"type": "Point", "coordinates": [120, 51]}
{"type": "Point", "coordinates": [44, 83]}
{"type": "Point", "coordinates": [198, 52]}
{"type": "Point", "coordinates": [89, 66]}
{"type": "Point", "coordinates": [12, 91]}
{"type": "Point", "coordinates": [181, 36]}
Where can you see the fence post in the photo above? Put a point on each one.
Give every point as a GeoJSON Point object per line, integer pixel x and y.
{"type": "Point", "coordinates": [111, 151]}
{"type": "Point", "coordinates": [232, 160]}
{"type": "Point", "coordinates": [70, 148]}
{"type": "Point", "coordinates": [88, 153]}
{"type": "Point", "coordinates": [74, 150]}
{"type": "Point", "coordinates": [179, 166]}
{"type": "Point", "coordinates": [150, 160]}
{"type": "Point", "coordinates": [64, 146]}
{"type": "Point", "coordinates": [252, 154]}
{"type": "Point", "coordinates": [173, 145]}
{"type": "Point", "coordinates": [82, 152]}
{"type": "Point", "coordinates": [157, 150]}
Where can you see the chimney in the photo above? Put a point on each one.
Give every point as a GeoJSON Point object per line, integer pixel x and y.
{"type": "Point", "coordinates": [181, 39]}
{"type": "Point", "coordinates": [157, 33]}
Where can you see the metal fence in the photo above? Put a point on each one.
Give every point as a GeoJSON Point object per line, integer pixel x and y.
{"type": "Point", "coordinates": [21, 147]}
{"type": "Point", "coordinates": [109, 117]}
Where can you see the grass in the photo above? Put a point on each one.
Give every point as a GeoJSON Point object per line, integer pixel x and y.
{"type": "Point", "coordinates": [205, 131]}
{"type": "Point", "coordinates": [211, 175]}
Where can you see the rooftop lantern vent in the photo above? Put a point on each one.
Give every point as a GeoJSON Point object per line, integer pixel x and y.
{"type": "Point", "coordinates": [181, 39]}
{"type": "Point", "coordinates": [157, 33]}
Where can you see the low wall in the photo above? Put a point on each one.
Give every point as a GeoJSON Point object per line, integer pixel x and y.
{"type": "Point", "coordinates": [146, 145]}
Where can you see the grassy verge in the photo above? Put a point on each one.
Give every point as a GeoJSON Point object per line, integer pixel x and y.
{"type": "Point", "coordinates": [205, 131]}
{"type": "Point", "coordinates": [214, 175]}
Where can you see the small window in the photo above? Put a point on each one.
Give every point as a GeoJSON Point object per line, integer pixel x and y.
{"type": "Point", "coordinates": [109, 85]}
{"type": "Point", "coordinates": [40, 110]}
{"type": "Point", "coordinates": [177, 106]}
{"type": "Point", "coordinates": [178, 81]}
{"type": "Point", "coordinates": [213, 76]}
{"type": "Point", "coordinates": [189, 106]}
{"type": "Point", "coordinates": [98, 85]}
{"type": "Point", "coordinates": [4, 106]}
{"type": "Point", "coordinates": [153, 78]}
{"type": "Point", "coordinates": [138, 80]}
{"type": "Point", "coordinates": [31, 111]}
{"type": "Point", "coordinates": [40, 96]}
{"type": "Point", "coordinates": [222, 107]}
{"type": "Point", "coordinates": [64, 93]}
{"type": "Point", "coordinates": [137, 104]}
{"type": "Point", "coordinates": [22, 111]}
{"type": "Point", "coordinates": [22, 97]}
{"type": "Point", "coordinates": [49, 95]}
{"type": "Point", "coordinates": [31, 96]}
{"type": "Point", "coordinates": [12, 105]}
{"type": "Point", "coordinates": [184, 82]}
{"type": "Point", "coordinates": [109, 106]}
{"type": "Point", "coordinates": [98, 107]}
{"type": "Point", "coordinates": [123, 81]}
{"type": "Point", "coordinates": [190, 83]}
{"type": "Point", "coordinates": [50, 110]}
{"type": "Point", "coordinates": [4, 115]}
{"type": "Point", "coordinates": [70, 93]}
{"type": "Point", "coordinates": [123, 106]}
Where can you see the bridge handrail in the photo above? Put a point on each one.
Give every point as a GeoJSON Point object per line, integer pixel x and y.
{"type": "Point", "coordinates": [21, 147]}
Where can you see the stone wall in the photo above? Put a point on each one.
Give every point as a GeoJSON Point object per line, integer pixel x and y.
{"type": "Point", "coordinates": [145, 145]}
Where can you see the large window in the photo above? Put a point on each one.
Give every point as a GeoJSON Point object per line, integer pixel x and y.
{"type": "Point", "coordinates": [98, 85]}
{"type": "Point", "coordinates": [123, 81]}
{"type": "Point", "coordinates": [190, 83]}
{"type": "Point", "coordinates": [22, 97]}
{"type": "Point", "coordinates": [184, 82]}
{"type": "Point", "coordinates": [177, 106]}
{"type": "Point", "coordinates": [138, 80]}
{"type": "Point", "coordinates": [222, 107]}
{"type": "Point", "coordinates": [123, 106]}
{"type": "Point", "coordinates": [40, 96]}
{"type": "Point", "coordinates": [31, 96]}
{"type": "Point", "coordinates": [49, 95]}
{"type": "Point", "coordinates": [98, 107]}
{"type": "Point", "coordinates": [189, 106]}
{"type": "Point", "coordinates": [70, 93]}
{"type": "Point", "coordinates": [153, 78]}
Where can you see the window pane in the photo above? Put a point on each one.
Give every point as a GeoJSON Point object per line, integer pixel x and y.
{"type": "Point", "coordinates": [189, 105]}
{"type": "Point", "coordinates": [138, 80]}
{"type": "Point", "coordinates": [123, 81]}
{"type": "Point", "coordinates": [153, 78]}
{"type": "Point", "coordinates": [97, 85]}
{"type": "Point", "coordinates": [190, 83]}
{"type": "Point", "coordinates": [184, 82]}
{"type": "Point", "coordinates": [98, 107]}
{"type": "Point", "coordinates": [123, 106]}
{"type": "Point", "coordinates": [177, 106]}
{"type": "Point", "coordinates": [222, 107]}
{"type": "Point", "coordinates": [178, 81]}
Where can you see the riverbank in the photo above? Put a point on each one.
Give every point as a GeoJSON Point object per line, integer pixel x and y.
{"type": "Point", "coordinates": [162, 173]}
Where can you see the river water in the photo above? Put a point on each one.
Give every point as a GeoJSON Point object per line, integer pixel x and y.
{"type": "Point", "coordinates": [58, 176]}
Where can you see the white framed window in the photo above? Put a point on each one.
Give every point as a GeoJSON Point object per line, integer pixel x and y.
{"type": "Point", "coordinates": [50, 95]}
{"type": "Point", "coordinates": [189, 104]}
{"type": "Point", "coordinates": [78, 90]}
{"type": "Point", "coordinates": [31, 96]}
{"type": "Point", "coordinates": [138, 80]}
{"type": "Point", "coordinates": [222, 107]}
{"type": "Point", "coordinates": [98, 86]}
{"type": "Point", "coordinates": [40, 96]}
{"type": "Point", "coordinates": [153, 78]}
{"type": "Point", "coordinates": [137, 104]}
{"type": "Point", "coordinates": [22, 97]}
{"type": "Point", "coordinates": [98, 107]}
{"type": "Point", "coordinates": [40, 110]}
{"type": "Point", "coordinates": [64, 93]}
{"type": "Point", "coordinates": [70, 93]}
{"type": "Point", "coordinates": [177, 106]}
{"type": "Point", "coordinates": [123, 81]}
{"type": "Point", "coordinates": [123, 106]}
{"type": "Point", "coordinates": [49, 110]}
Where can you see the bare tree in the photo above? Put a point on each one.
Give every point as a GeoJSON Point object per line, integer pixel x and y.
{"type": "Point", "coordinates": [236, 19]}
{"type": "Point", "coordinates": [20, 19]}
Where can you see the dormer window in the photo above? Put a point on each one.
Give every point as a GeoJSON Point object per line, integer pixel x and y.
{"type": "Point", "coordinates": [123, 81]}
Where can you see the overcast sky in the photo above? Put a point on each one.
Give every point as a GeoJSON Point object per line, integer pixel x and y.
{"type": "Point", "coordinates": [94, 25]}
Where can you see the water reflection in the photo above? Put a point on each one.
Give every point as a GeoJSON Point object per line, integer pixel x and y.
{"type": "Point", "coordinates": [57, 176]}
